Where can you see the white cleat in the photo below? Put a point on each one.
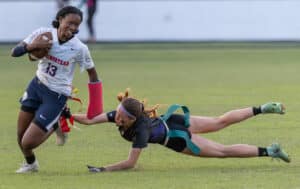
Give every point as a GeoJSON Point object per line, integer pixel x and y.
{"type": "Point", "coordinates": [29, 168]}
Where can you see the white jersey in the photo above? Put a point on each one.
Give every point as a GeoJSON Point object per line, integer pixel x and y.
{"type": "Point", "coordinates": [56, 70]}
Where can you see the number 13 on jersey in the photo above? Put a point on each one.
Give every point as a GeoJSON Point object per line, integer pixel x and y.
{"type": "Point", "coordinates": [51, 69]}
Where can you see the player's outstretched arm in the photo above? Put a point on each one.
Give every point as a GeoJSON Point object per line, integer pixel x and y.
{"type": "Point", "coordinates": [126, 164]}
{"type": "Point", "coordinates": [82, 119]}
{"type": "Point", "coordinates": [122, 165]}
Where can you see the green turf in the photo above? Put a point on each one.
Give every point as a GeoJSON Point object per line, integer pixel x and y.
{"type": "Point", "coordinates": [209, 78]}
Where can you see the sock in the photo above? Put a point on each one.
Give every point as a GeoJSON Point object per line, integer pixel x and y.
{"type": "Point", "coordinates": [262, 151]}
{"type": "Point", "coordinates": [256, 110]}
{"type": "Point", "coordinates": [30, 159]}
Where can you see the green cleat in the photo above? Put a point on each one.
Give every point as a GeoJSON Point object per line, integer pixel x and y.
{"type": "Point", "coordinates": [275, 151]}
{"type": "Point", "coordinates": [273, 107]}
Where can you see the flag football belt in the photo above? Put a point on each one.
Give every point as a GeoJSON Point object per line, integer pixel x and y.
{"type": "Point", "coordinates": [172, 133]}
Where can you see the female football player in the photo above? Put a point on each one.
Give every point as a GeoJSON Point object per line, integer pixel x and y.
{"type": "Point", "coordinates": [47, 93]}
{"type": "Point", "coordinates": [179, 131]}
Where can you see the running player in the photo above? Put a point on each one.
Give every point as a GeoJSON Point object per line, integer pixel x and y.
{"type": "Point", "coordinates": [47, 93]}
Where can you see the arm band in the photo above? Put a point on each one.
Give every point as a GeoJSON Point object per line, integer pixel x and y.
{"type": "Point", "coordinates": [95, 106]}
{"type": "Point", "coordinates": [19, 50]}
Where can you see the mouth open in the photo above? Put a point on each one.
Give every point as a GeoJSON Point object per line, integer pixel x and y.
{"type": "Point", "coordinates": [69, 34]}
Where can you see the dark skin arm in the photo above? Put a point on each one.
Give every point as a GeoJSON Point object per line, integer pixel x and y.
{"type": "Point", "coordinates": [38, 43]}
{"type": "Point", "coordinates": [93, 76]}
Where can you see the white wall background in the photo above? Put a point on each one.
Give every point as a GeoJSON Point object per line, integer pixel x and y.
{"type": "Point", "coordinates": [165, 20]}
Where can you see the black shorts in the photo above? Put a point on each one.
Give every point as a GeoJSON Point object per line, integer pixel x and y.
{"type": "Point", "coordinates": [176, 122]}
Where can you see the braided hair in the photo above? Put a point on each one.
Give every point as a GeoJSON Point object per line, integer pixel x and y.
{"type": "Point", "coordinates": [136, 107]}
{"type": "Point", "coordinates": [65, 11]}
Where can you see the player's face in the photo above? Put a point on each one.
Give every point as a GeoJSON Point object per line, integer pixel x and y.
{"type": "Point", "coordinates": [122, 119]}
{"type": "Point", "coordinates": [68, 25]}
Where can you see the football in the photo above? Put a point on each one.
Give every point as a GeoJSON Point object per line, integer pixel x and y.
{"type": "Point", "coordinates": [40, 53]}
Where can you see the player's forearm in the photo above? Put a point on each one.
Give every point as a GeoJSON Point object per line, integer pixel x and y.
{"type": "Point", "coordinates": [122, 165]}
{"type": "Point", "coordinates": [126, 164]}
{"type": "Point", "coordinates": [82, 119]}
{"type": "Point", "coordinates": [93, 76]}
{"type": "Point", "coordinates": [22, 48]}
{"type": "Point", "coordinates": [19, 50]}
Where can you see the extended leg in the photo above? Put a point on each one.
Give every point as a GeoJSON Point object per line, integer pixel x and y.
{"type": "Point", "coordinates": [200, 124]}
{"type": "Point", "coordinates": [209, 148]}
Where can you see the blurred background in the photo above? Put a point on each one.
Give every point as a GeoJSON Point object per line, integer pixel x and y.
{"type": "Point", "coordinates": [161, 20]}
{"type": "Point", "coordinates": [211, 55]}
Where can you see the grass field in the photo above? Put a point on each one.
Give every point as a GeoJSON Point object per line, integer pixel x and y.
{"type": "Point", "coordinates": [209, 78]}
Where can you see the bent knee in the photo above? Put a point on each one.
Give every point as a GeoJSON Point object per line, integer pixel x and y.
{"type": "Point", "coordinates": [222, 151]}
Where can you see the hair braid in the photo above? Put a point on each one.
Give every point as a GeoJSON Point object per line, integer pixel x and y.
{"type": "Point", "coordinates": [152, 112]}
{"type": "Point", "coordinates": [136, 107]}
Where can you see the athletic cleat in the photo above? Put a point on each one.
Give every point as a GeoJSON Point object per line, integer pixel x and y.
{"type": "Point", "coordinates": [61, 137]}
{"type": "Point", "coordinates": [275, 151]}
{"type": "Point", "coordinates": [29, 168]}
{"type": "Point", "coordinates": [93, 169]}
{"type": "Point", "coordinates": [273, 107]}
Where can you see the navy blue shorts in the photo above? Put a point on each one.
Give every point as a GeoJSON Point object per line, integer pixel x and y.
{"type": "Point", "coordinates": [47, 105]}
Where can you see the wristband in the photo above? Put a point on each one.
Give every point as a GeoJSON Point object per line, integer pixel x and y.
{"type": "Point", "coordinates": [19, 50]}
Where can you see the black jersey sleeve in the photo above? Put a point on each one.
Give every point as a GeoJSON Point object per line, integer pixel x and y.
{"type": "Point", "coordinates": [140, 140]}
{"type": "Point", "coordinates": [111, 116]}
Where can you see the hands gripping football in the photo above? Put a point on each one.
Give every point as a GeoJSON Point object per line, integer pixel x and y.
{"type": "Point", "coordinates": [40, 46]}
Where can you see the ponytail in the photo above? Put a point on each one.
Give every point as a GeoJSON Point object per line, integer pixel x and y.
{"type": "Point", "coordinates": [136, 107]}
{"type": "Point", "coordinates": [55, 23]}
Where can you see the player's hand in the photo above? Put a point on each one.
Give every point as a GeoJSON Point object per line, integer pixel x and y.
{"type": "Point", "coordinates": [40, 42]}
{"type": "Point", "coordinates": [66, 113]}
{"type": "Point", "coordinates": [93, 169]}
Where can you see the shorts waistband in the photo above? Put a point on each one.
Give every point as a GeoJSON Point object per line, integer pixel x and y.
{"type": "Point", "coordinates": [39, 82]}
